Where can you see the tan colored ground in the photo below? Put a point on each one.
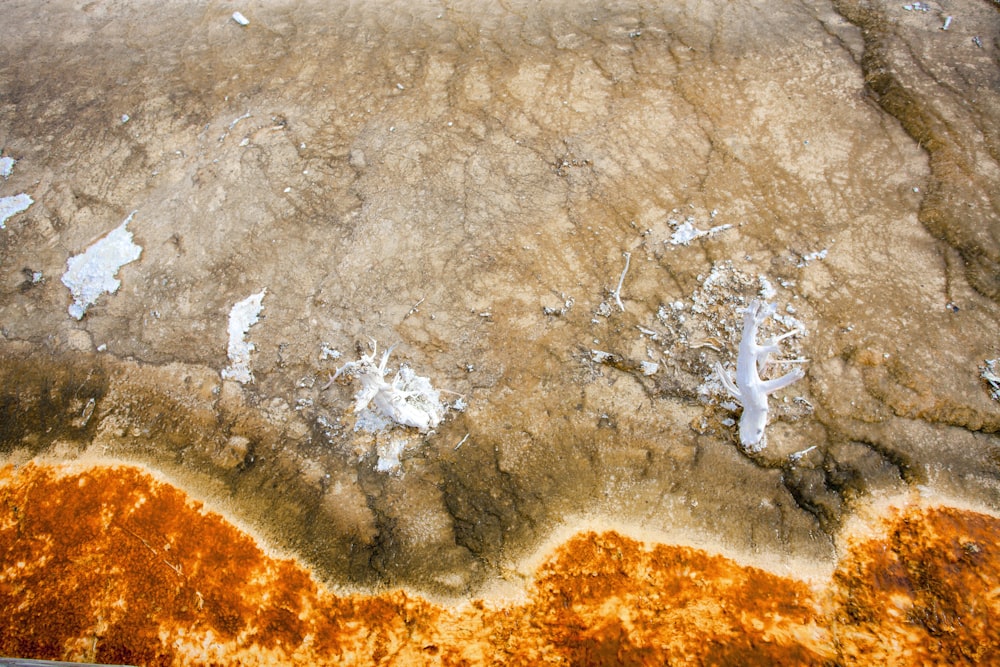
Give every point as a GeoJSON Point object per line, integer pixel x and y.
{"type": "Point", "coordinates": [462, 181]}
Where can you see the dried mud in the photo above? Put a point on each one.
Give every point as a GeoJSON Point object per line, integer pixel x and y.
{"type": "Point", "coordinates": [462, 181]}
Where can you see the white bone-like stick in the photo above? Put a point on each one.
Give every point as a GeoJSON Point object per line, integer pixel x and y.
{"type": "Point", "coordinates": [749, 389]}
{"type": "Point", "coordinates": [618, 290]}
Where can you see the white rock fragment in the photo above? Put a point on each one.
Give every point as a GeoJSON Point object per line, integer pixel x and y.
{"type": "Point", "coordinates": [7, 167]}
{"type": "Point", "coordinates": [11, 206]}
{"type": "Point", "coordinates": [243, 315]}
{"type": "Point", "coordinates": [600, 356]}
{"type": "Point", "coordinates": [92, 273]}
{"type": "Point", "coordinates": [749, 389]}
{"type": "Point", "coordinates": [242, 20]}
{"type": "Point", "coordinates": [649, 367]}
{"type": "Point", "coordinates": [408, 400]}
{"type": "Point", "coordinates": [653, 335]}
{"type": "Point", "coordinates": [991, 373]}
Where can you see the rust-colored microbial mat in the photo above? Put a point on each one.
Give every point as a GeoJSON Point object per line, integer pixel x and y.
{"type": "Point", "coordinates": [108, 563]}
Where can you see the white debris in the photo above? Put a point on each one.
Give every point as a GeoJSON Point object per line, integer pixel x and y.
{"type": "Point", "coordinates": [767, 290]}
{"type": "Point", "coordinates": [388, 454]}
{"type": "Point", "coordinates": [796, 456]}
{"type": "Point", "coordinates": [7, 167]}
{"type": "Point", "coordinates": [617, 293]}
{"type": "Point", "coordinates": [790, 322]}
{"type": "Point", "coordinates": [327, 352]}
{"type": "Point", "coordinates": [239, 18]}
{"type": "Point", "coordinates": [600, 356]}
{"type": "Point", "coordinates": [92, 273]}
{"type": "Point", "coordinates": [237, 120]}
{"type": "Point", "coordinates": [991, 373]}
{"type": "Point", "coordinates": [947, 23]}
{"type": "Point", "coordinates": [653, 335]}
{"type": "Point", "coordinates": [11, 206]}
{"type": "Point", "coordinates": [649, 367]}
{"type": "Point", "coordinates": [686, 232]}
{"type": "Point", "coordinates": [749, 389]}
{"type": "Point", "coordinates": [408, 400]}
{"type": "Point", "coordinates": [243, 315]}
{"type": "Point", "coordinates": [812, 256]}
{"type": "Point", "coordinates": [556, 312]}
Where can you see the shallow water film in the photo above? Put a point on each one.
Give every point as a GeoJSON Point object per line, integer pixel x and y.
{"type": "Point", "coordinates": [413, 333]}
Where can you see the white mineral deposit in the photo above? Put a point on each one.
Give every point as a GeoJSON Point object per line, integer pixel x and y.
{"type": "Point", "coordinates": [243, 315]}
{"type": "Point", "coordinates": [93, 272]}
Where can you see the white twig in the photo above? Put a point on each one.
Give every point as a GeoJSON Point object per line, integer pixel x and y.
{"type": "Point", "coordinates": [244, 116]}
{"type": "Point", "coordinates": [618, 290]}
{"type": "Point", "coordinates": [798, 455]}
{"type": "Point", "coordinates": [461, 442]}
{"type": "Point", "coordinates": [414, 308]}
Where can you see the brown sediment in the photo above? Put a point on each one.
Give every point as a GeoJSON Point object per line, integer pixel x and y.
{"type": "Point", "coordinates": [941, 109]}
{"type": "Point", "coordinates": [108, 563]}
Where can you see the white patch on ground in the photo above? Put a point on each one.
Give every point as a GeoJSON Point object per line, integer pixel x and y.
{"type": "Point", "coordinates": [11, 206]}
{"type": "Point", "coordinates": [388, 455]}
{"type": "Point", "coordinates": [812, 256]}
{"type": "Point", "coordinates": [243, 315]}
{"type": "Point", "coordinates": [7, 166]}
{"type": "Point", "coordinates": [92, 273]}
